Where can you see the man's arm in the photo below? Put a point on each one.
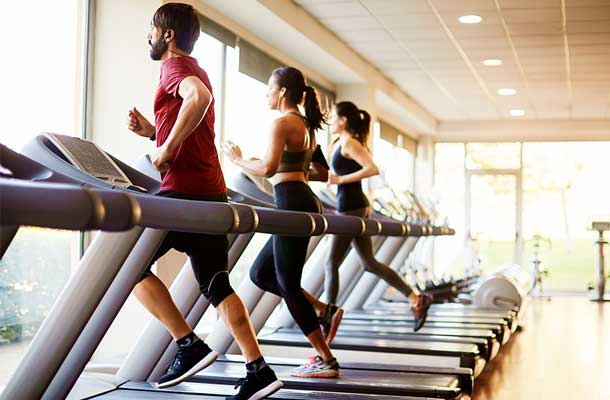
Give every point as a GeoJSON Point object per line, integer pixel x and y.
{"type": "Point", "coordinates": [139, 124]}
{"type": "Point", "coordinates": [196, 99]}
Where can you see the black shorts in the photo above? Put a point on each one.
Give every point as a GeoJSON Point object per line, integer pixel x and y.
{"type": "Point", "coordinates": [208, 253]}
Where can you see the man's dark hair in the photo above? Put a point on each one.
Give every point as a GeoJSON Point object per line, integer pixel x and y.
{"type": "Point", "coordinates": [182, 19]}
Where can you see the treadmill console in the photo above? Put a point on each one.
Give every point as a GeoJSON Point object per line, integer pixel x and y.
{"type": "Point", "coordinates": [89, 158]}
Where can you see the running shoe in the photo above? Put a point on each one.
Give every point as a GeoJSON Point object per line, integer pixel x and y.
{"type": "Point", "coordinates": [257, 385]}
{"type": "Point", "coordinates": [317, 368]}
{"type": "Point", "coordinates": [330, 322]}
{"type": "Point", "coordinates": [420, 310]}
{"type": "Point", "coordinates": [187, 362]}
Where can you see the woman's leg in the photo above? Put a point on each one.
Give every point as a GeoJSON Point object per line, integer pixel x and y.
{"type": "Point", "coordinates": [339, 246]}
{"type": "Point", "coordinates": [364, 247]}
{"type": "Point", "coordinates": [262, 272]}
{"type": "Point", "coordinates": [289, 253]}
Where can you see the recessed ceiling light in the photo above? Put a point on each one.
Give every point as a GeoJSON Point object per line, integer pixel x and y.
{"type": "Point", "coordinates": [517, 113]}
{"type": "Point", "coordinates": [506, 92]}
{"type": "Point", "coordinates": [492, 62]}
{"type": "Point", "coordinates": [470, 19]}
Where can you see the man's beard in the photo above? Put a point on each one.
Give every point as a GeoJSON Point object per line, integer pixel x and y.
{"type": "Point", "coordinates": [157, 48]}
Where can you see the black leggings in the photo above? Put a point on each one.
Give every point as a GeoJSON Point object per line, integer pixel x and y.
{"type": "Point", "coordinates": [279, 266]}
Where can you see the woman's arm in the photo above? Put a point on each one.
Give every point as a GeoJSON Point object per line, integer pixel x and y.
{"type": "Point", "coordinates": [267, 166]}
{"type": "Point", "coordinates": [357, 152]}
{"type": "Point", "coordinates": [318, 169]}
{"type": "Point", "coordinates": [317, 172]}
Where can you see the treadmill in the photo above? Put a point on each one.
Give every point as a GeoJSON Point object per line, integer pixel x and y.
{"type": "Point", "coordinates": [74, 335]}
{"type": "Point", "coordinates": [446, 354]}
{"type": "Point", "coordinates": [370, 288]}
{"type": "Point", "coordinates": [357, 300]}
{"type": "Point", "coordinates": [67, 205]}
{"type": "Point", "coordinates": [227, 370]}
{"type": "Point", "coordinates": [53, 378]}
{"type": "Point", "coordinates": [429, 213]}
{"type": "Point", "coordinates": [487, 341]}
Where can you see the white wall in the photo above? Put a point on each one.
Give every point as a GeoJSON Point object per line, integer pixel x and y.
{"type": "Point", "coordinates": [123, 75]}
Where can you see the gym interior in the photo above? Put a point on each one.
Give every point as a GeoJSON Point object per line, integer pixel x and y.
{"type": "Point", "coordinates": [490, 133]}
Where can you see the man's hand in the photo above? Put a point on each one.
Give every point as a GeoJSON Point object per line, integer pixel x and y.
{"type": "Point", "coordinates": [139, 124]}
{"type": "Point", "coordinates": [161, 158]}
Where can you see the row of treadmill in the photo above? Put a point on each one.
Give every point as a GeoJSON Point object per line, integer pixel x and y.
{"type": "Point", "coordinates": [63, 182]}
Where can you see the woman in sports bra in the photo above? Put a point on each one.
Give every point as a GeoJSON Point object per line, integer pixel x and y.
{"type": "Point", "coordinates": [351, 161]}
{"type": "Point", "coordinates": [291, 160]}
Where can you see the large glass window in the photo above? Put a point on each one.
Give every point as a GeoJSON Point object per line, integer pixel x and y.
{"type": "Point", "coordinates": [209, 53]}
{"type": "Point", "coordinates": [452, 254]}
{"type": "Point", "coordinates": [493, 155]}
{"type": "Point", "coordinates": [555, 189]}
{"type": "Point", "coordinates": [42, 93]}
{"type": "Point", "coordinates": [395, 162]}
{"type": "Point", "coordinates": [248, 117]}
{"type": "Point", "coordinates": [562, 191]}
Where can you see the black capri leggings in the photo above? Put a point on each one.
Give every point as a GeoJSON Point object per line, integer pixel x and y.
{"type": "Point", "coordinates": [279, 266]}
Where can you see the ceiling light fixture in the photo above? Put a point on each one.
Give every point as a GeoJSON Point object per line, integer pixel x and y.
{"type": "Point", "coordinates": [492, 62]}
{"type": "Point", "coordinates": [517, 113]}
{"type": "Point", "coordinates": [506, 92]}
{"type": "Point", "coordinates": [470, 19]}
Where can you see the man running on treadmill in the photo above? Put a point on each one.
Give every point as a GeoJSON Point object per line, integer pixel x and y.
{"type": "Point", "coordinates": [188, 162]}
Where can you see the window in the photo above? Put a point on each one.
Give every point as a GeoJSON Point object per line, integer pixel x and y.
{"type": "Point", "coordinates": [562, 192]}
{"type": "Point", "coordinates": [209, 54]}
{"type": "Point", "coordinates": [450, 253]}
{"type": "Point", "coordinates": [42, 88]}
{"type": "Point", "coordinates": [248, 117]}
{"type": "Point", "coordinates": [493, 155]}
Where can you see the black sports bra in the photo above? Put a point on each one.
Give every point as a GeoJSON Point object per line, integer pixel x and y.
{"type": "Point", "coordinates": [297, 161]}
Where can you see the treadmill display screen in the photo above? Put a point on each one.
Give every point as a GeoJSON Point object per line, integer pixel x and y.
{"type": "Point", "coordinates": [92, 160]}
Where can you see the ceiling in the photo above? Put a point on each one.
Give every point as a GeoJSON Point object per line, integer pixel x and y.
{"type": "Point", "coordinates": [555, 53]}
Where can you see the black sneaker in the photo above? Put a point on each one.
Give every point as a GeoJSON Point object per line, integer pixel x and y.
{"type": "Point", "coordinates": [420, 310]}
{"type": "Point", "coordinates": [188, 362]}
{"type": "Point", "coordinates": [257, 385]}
{"type": "Point", "coordinates": [330, 322]}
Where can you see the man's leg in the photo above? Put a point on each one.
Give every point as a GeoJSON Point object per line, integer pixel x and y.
{"type": "Point", "coordinates": [193, 354]}
{"type": "Point", "coordinates": [154, 296]}
{"type": "Point", "coordinates": [235, 316]}
{"type": "Point", "coordinates": [210, 267]}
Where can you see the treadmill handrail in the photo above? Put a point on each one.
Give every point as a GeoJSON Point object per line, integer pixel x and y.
{"type": "Point", "coordinates": [64, 206]}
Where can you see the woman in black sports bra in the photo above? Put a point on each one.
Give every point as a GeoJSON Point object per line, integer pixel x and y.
{"type": "Point", "coordinates": [291, 160]}
{"type": "Point", "coordinates": [351, 162]}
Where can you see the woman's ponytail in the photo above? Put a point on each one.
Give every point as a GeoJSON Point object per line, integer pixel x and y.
{"type": "Point", "coordinates": [365, 126]}
{"type": "Point", "coordinates": [293, 80]}
{"type": "Point", "coordinates": [314, 114]}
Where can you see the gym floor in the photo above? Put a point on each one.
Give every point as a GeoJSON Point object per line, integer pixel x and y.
{"type": "Point", "coordinates": [563, 352]}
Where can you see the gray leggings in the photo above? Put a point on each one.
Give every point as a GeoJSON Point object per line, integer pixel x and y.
{"type": "Point", "coordinates": [339, 246]}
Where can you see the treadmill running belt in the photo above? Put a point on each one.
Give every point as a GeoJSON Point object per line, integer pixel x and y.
{"type": "Point", "coordinates": [350, 381]}
{"type": "Point", "coordinates": [209, 391]}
